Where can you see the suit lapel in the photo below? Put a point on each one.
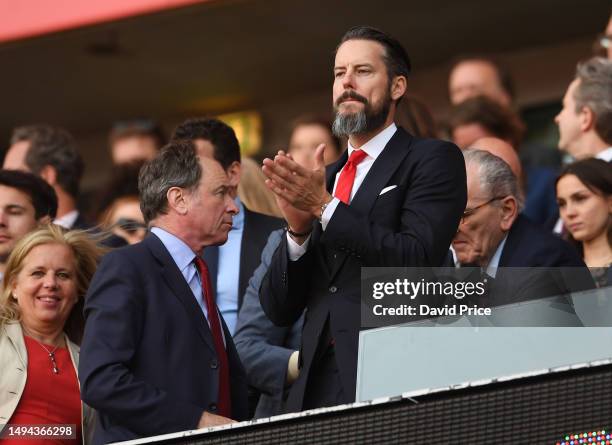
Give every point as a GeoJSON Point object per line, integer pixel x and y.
{"type": "Point", "coordinates": [180, 289]}
{"type": "Point", "coordinates": [381, 172]}
{"type": "Point", "coordinates": [377, 178]}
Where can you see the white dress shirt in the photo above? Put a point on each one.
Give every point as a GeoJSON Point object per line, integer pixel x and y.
{"type": "Point", "coordinates": [68, 220]}
{"type": "Point", "coordinates": [373, 148]}
{"type": "Point", "coordinates": [606, 154]}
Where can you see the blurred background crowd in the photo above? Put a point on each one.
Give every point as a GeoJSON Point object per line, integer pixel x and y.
{"type": "Point", "coordinates": [85, 108]}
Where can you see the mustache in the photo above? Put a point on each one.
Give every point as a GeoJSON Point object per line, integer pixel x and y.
{"type": "Point", "coordinates": [350, 94]}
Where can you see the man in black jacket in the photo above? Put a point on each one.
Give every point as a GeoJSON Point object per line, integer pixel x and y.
{"type": "Point", "coordinates": [391, 200]}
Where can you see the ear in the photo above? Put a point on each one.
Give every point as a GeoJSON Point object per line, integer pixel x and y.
{"type": "Point", "coordinates": [509, 212]}
{"type": "Point", "coordinates": [587, 119]}
{"type": "Point", "coordinates": [398, 87]}
{"type": "Point", "coordinates": [178, 200]}
{"type": "Point", "coordinates": [234, 172]}
{"type": "Point", "coordinates": [49, 174]}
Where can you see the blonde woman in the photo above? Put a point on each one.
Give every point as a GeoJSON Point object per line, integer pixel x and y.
{"type": "Point", "coordinates": [41, 322]}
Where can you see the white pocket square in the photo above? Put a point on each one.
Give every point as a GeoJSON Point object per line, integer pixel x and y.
{"type": "Point", "coordinates": [386, 189]}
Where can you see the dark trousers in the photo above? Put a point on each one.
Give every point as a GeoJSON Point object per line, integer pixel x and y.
{"type": "Point", "coordinates": [324, 387]}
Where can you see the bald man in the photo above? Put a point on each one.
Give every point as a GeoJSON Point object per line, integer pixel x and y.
{"type": "Point", "coordinates": [503, 150]}
{"type": "Point", "coordinates": [539, 202]}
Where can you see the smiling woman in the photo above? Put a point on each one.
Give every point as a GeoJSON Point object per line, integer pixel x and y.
{"type": "Point", "coordinates": [41, 308]}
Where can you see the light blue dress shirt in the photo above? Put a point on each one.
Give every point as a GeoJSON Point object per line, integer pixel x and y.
{"type": "Point", "coordinates": [494, 262]}
{"type": "Point", "coordinates": [183, 256]}
{"type": "Point", "coordinates": [228, 272]}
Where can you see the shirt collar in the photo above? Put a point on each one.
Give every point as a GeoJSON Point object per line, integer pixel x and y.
{"type": "Point", "coordinates": [238, 220]}
{"type": "Point", "coordinates": [494, 263]}
{"type": "Point", "coordinates": [606, 154]}
{"type": "Point", "coordinates": [68, 220]}
{"type": "Point", "coordinates": [375, 146]}
{"type": "Point", "coordinates": [179, 251]}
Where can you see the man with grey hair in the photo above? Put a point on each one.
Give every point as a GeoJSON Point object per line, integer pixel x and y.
{"type": "Point", "coordinates": [492, 233]}
{"type": "Point", "coordinates": [585, 122]}
{"type": "Point", "coordinates": [157, 356]}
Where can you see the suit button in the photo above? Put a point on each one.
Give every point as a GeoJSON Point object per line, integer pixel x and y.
{"type": "Point", "coordinates": [214, 364]}
{"type": "Point", "coordinates": [212, 407]}
{"type": "Point", "coordinates": [333, 289]}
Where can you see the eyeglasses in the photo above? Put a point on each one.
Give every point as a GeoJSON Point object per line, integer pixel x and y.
{"type": "Point", "coordinates": [469, 212]}
{"type": "Point", "coordinates": [131, 226]}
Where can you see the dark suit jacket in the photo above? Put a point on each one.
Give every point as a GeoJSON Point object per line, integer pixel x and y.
{"type": "Point", "coordinates": [257, 228]}
{"type": "Point", "coordinates": [409, 225]}
{"type": "Point", "coordinates": [529, 245]}
{"type": "Point", "coordinates": [148, 362]}
{"type": "Point", "coordinates": [535, 264]}
{"type": "Point", "coordinates": [265, 348]}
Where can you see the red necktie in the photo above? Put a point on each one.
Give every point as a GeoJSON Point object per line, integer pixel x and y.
{"type": "Point", "coordinates": [224, 401]}
{"type": "Point", "coordinates": [347, 177]}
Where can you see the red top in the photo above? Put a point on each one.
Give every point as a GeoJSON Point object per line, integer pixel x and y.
{"type": "Point", "coordinates": [48, 398]}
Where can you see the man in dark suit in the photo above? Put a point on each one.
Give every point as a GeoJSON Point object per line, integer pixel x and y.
{"type": "Point", "coordinates": [156, 355]}
{"type": "Point", "coordinates": [396, 201]}
{"type": "Point", "coordinates": [250, 230]}
{"type": "Point", "coordinates": [493, 235]}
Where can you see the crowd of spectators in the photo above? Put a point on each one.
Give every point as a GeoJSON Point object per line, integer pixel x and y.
{"type": "Point", "coordinates": [251, 229]}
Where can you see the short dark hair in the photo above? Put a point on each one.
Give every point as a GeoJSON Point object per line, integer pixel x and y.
{"type": "Point", "coordinates": [41, 194]}
{"type": "Point", "coordinates": [177, 165]}
{"type": "Point", "coordinates": [138, 127]}
{"type": "Point", "coordinates": [52, 146]}
{"type": "Point", "coordinates": [226, 149]}
{"type": "Point", "coordinates": [122, 183]}
{"type": "Point", "coordinates": [500, 121]}
{"type": "Point", "coordinates": [503, 75]}
{"type": "Point", "coordinates": [396, 58]}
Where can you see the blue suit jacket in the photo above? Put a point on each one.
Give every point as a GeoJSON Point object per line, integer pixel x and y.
{"type": "Point", "coordinates": [148, 363]}
{"type": "Point", "coordinates": [264, 347]}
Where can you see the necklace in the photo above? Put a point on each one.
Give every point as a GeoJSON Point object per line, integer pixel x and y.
{"type": "Point", "coordinates": [51, 355]}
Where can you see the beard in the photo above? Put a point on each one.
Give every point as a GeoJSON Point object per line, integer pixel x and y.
{"type": "Point", "coordinates": [363, 121]}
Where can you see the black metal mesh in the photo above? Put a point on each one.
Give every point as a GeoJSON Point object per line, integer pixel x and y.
{"type": "Point", "coordinates": [536, 410]}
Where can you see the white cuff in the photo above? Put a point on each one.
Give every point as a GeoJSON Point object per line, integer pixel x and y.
{"type": "Point", "coordinates": [296, 250]}
{"type": "Point", "coordinates": [329, 212]}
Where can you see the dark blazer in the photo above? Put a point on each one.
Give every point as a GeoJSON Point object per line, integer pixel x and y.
{"type": "Point", "coordinates": [530, 245]}
{"type": "Point", "coordinates": [536, 264]}
{"type": "Point", "coordinates": [411, 224]}
{"type": "Point", "coordinates": [257, 228]}
{"type": "Point", "coordinates": [265, 348]}
{"type": "Point", "coordinates": [148, 362]}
